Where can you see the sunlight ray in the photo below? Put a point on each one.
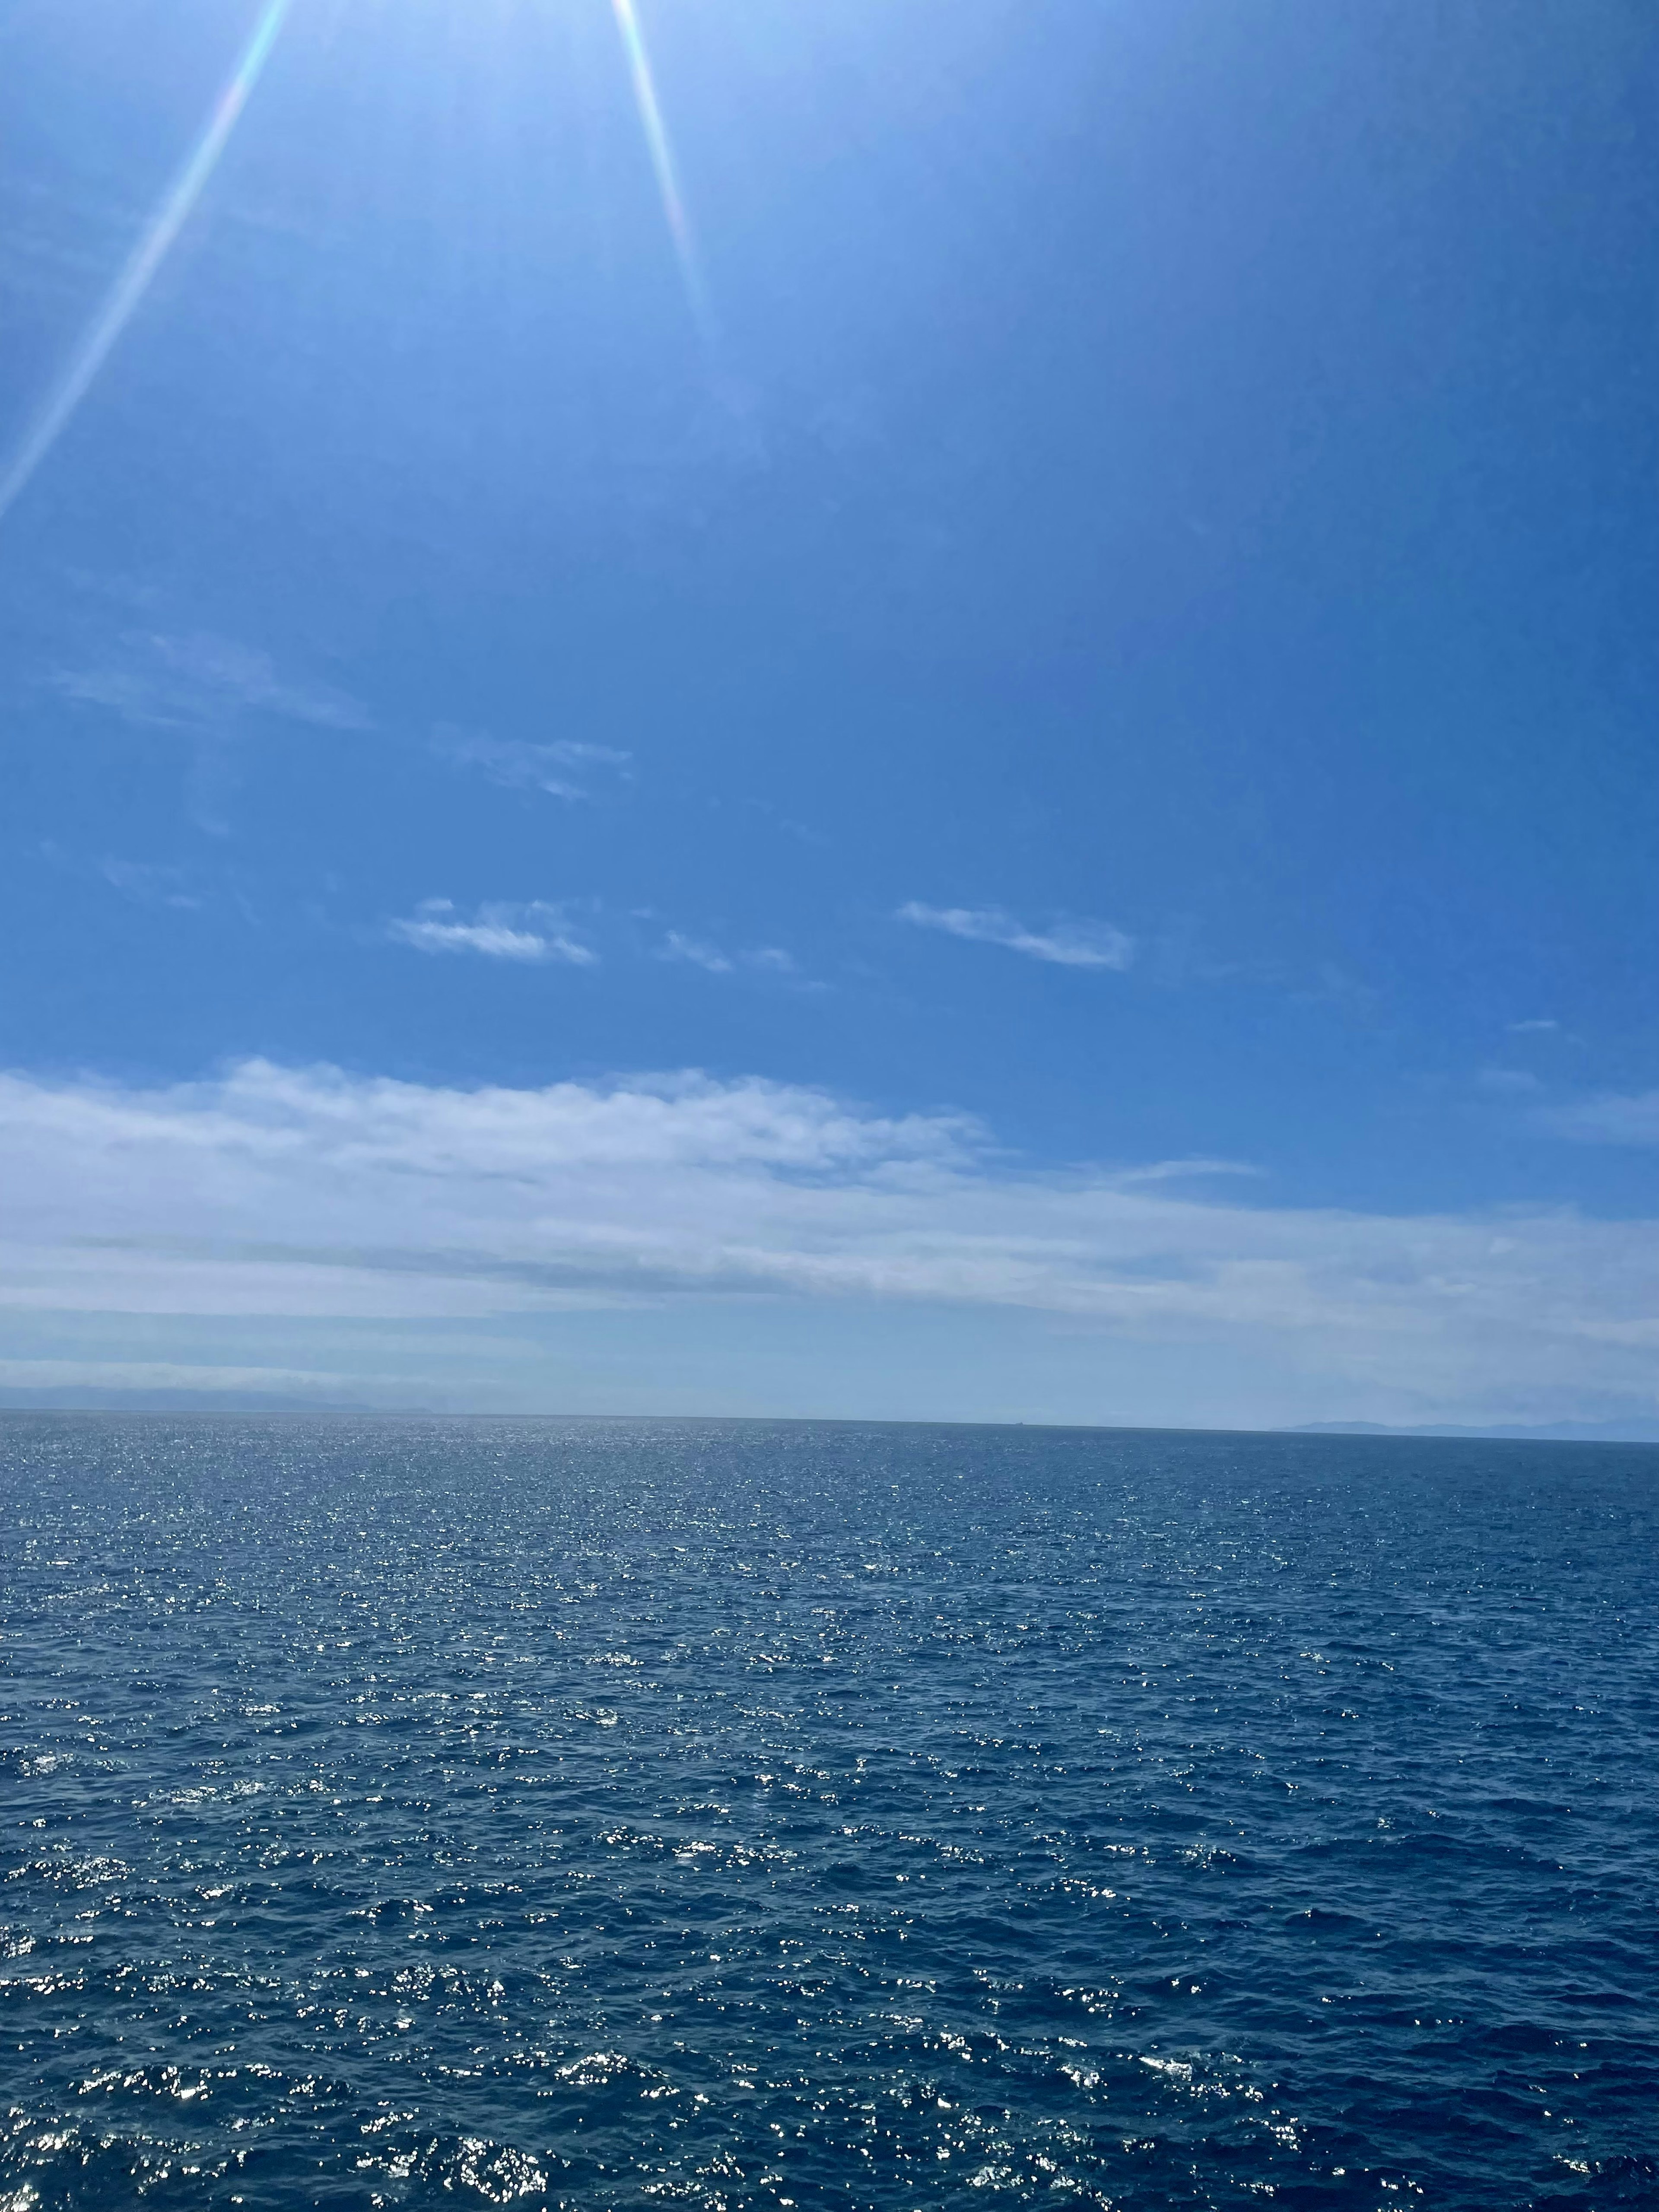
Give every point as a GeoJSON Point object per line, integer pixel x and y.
{"type": "Point", "coordinates": [662, 161]}
{"type": "Point", "coordinates": [146, 257]}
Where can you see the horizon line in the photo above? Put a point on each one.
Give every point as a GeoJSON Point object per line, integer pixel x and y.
{"type": "Point", "coordinates": [1326, 1431]}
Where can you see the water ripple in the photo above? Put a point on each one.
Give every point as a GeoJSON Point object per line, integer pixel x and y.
{"type": "Point", "coordinates": [608, 1814]}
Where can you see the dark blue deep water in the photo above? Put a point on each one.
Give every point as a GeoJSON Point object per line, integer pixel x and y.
{"type": "Point", "coordinates": [605, 1813]}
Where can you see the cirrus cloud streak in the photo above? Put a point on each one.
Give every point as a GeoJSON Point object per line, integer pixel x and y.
{"type": "Point", "coordinates": [498, 930]}
{"type": "Point", "coordinates": [1063, 943]}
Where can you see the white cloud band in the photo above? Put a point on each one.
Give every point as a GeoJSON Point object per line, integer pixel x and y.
{"type": "Point", "coordinates": [288, 1192]}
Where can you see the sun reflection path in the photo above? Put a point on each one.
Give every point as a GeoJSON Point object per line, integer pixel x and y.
{"type": "Point", "coordinates": [129, 287]}
{"type": "Point", "coordinates": [662, 161]}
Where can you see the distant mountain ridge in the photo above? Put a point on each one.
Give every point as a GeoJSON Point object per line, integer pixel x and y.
{"type": "Point", "coordinates": [1555, 1433]}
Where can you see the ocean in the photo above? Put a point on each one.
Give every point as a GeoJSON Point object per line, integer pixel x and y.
{"type": "Point", "coordinates": [605, 1813]}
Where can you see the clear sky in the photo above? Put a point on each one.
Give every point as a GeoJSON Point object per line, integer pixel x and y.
{"type": "Point", "coordinates": [882, 710]}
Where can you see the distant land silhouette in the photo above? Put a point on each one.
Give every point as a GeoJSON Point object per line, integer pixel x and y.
{"type": "Point", "coordinates": [1555, 1433]}
{"type": "Point", "coordinates": [86, 1398]}
{"type": "Point", "coordinates": [90, 1398]}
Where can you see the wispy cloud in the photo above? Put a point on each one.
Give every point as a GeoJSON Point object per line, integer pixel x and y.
{"type": "Point", "coordinates": [1181, 1171]}
{"type": "Point", "coordinates": [1615, 1118]}
{"type": "Point", "coordinates": [692, 951]}
{"type": "Point", "coordinates": [202, 685]}
{"type": "Point", "coordinates": [291, 1192]}
{"type": "Point", "coordinates": [1536, 1028]}
{"type": "Point", "coordinates": [1514, 1081]}
{"type": "Point", "coordinates": [148, 882]}
{"type": "Point", "coordinates": [498, 930]}
{"type": "Point", "coordinates": [564, 768]}
{"type": "Point", "coordinates": [1066, 944]}
{"type": "Point", "coordinates": [765, 959]}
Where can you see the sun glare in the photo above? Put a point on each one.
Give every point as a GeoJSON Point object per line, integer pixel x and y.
{"type": "Point", "coordinates": [147, 257]}
{"type": "Point", "coordinates": [662, 161]}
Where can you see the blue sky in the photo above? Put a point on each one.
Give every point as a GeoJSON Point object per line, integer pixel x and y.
{"type": "Point", "coordinates": [1028, 791]}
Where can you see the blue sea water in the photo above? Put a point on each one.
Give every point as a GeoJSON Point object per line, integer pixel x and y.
{"type": "Point", "coordinates": [740, 1814]}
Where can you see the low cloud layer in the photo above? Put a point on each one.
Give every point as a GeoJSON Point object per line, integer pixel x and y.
{"type": "Point", "coordinates": [1065, 944]}
{"type": "Point", "coordinates": [307, 1193]}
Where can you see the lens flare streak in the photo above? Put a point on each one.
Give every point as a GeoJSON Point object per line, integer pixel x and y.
{"type": "Point", "coordinates": [147, 257]}
{"type": "Point", "coordinates": [662, 161]}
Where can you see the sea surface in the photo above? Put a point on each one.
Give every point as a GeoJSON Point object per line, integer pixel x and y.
{"type": "Point", "coordinates": [604, 1813]}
